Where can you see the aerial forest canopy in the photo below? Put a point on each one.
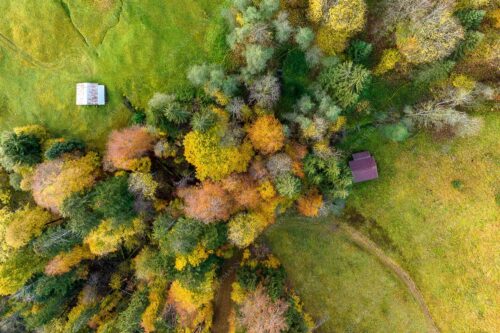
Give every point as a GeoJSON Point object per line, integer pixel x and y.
{"type": "Point", "coordinates": [135, 238]}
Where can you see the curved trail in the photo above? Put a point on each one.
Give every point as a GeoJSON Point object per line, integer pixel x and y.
{"type": "Point", "coordinates": [369, 246]}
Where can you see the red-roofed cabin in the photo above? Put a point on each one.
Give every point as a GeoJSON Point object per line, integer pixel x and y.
{"type": "Point", "coordinates": [363, 167]}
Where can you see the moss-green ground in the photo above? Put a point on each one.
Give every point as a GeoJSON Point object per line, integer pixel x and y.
{"type": "Point", "coordinates": [134, 47]}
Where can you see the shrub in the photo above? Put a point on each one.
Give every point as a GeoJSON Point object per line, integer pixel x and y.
{"type": "Point", "coordinates": [20, 149]}
{"type": "Point", "coordinates": [67, 146]}
{"type": "Point", "coordinates": [288, 186]}
{"type": "Point", "coordinates": [125, 146]}
{"type": "Point", "coordinates": [396, 132]}
{"type": "Point", "coordinates": [471, 18]}
{"type": "Point", "coordinates": [266, 134]}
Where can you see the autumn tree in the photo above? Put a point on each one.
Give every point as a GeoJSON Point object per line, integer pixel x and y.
{"type": "Point", "coordinates": [266, 134]}
{"type": "Point", "coordinates": [24, 224]}
{"type": "Point", "coordinates": [208, 202]}
{"type": "Point", "coordinates": [20, 149]}
{"type": "Point", "coordinates": [56, 180]}
{"type": "Point", "coordinates": [126, 146]}
{"type": "Point", "coordinates": [260, 314]}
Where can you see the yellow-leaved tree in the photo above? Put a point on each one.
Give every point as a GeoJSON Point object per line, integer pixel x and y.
{"type": "Point", "coordinates": [25, 224]}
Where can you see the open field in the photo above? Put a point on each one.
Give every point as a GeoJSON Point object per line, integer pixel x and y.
{"type": "Point", "coordinates": [435, 209]}
{"type": "Point", "coordinates": [135, 48]}
{"type": "Point", "coordinates": [349, 289]}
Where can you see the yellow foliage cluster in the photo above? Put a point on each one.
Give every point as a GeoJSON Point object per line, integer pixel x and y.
{"type": "Point", "coordinates": [55, 180]}
{"type": "Point", "coordinates": [238, 293]}
{"type": "Point", "coordinates": [36, 130]}
{"type": "Point", "coordinates": [338, 125]}
{"type": "Point", "coordinates": [266, 134]}
{"type": "Point", "coordinates": [390, 57]}
{"type": "Point", "coordinates": [271, 262]}
{"type": "Point", "coordinates": [106, 308]}
{"type": "Point", "coordinates": [211, 159]}
{"type": "Point", "coordinates": [196, 257]}
{"type": "Point", "coordinates": [143, 182]}
{"type": "Point", "coordinates": [337, 22]}
{"type": "Point", "coordinates": [63, 262]}
{"type": "Point", "coordinates": [472, 3]}
{"type": "Point", "coordinates": [25, 224]}
{"type": "Point", "coordinates": [107, 239]}
{"type": "Point", "coordinates": [464, 82]}
{"type": "Point", "coordinates": [266, 190]}
{"type": "Point", "coordinates": [193, 299]}
{"type": "Point", "coordinates": [156, 298]}
{"type": "Point", "coordinates": [309, 205]}
{"type": "Point", "coordinates": [142, 164]}
{"type": "Point", "coordinates": [423, 43]}
{"type": "Point", "coordinates": [245, 227]}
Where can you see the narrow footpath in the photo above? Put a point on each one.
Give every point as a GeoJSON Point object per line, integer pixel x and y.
{"type": "Point", "coordinates": [369, 246]}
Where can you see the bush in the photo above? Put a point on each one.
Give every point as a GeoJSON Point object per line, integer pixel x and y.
{"type": "Point", "coordinates": [20, 149]}
{"type": "Point", "coordinates": [67, 146]}
{"type": "Point", "coordinates": [471, 18]}
{"type": "Point", "coordinates": [396, 132]}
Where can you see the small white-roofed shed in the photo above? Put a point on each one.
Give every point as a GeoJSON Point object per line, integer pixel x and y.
{"type": "Point", "coordinates": [90, 94]}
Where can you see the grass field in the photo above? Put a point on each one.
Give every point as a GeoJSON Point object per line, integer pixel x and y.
{"type": "Point", "coordinates": [134, 47]}
{"type": "Point", "coordinates": [435, 210]}
{"type": "Point", "coordinates": [340, 283]}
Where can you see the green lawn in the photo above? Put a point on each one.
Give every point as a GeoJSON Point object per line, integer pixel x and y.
{"type": "Point", "coordinates": [341, 283]}
{"type": "Point", "coordinates": [134, 47]}
{"type": "Point", "coordinates": [436, 210]}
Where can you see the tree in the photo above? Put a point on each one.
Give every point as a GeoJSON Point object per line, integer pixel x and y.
{"type": "Point", "coordinates": [329, 175]}
{"type": "Point", "coordinates": [208, 202]}
{"type": "Point", "coordinates": [345, 81]}
{"type": "Point", "coordinates": [113, 200]}
{"type": "Point", "coordinates": [244, 228]}
{"type": "Point", "coordinates": [64, 262]}
{"type": "Point", "coordinates": [204, 120]}
{"type": "Point", "coordinates": [62, 147]}
{"type": "Point", "coordinates": [304, 37]}
{"type": "Point", "coordinates": [265, 91]}
{"type": "Point", "coordinates": [25, 224]}
{"type": "Point", "coordinates": [288, 186]}
{"type": "Point", "coordinates": [56, 180]}
{"type": "Point", "coordinates": [166, 108]}
{"type": "Point", "coordinates": [260, 314]}
{"type": "Point", "coordinates": [211, 159]}
{"type": "Point", "coordinates": [266, 134]}
{"type": "Point", "coordinates": [257, 57]}
{"type": "Point", "coordinates": [20, 149]}
{"type": "Point", "coordinates": [310, 204]}
{"type": "Point", "coordinates": [127, 145]}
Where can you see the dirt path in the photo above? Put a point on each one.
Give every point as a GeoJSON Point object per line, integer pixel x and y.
{"type": "Point", "coordinates": [223, 303]}
{"type": "Point", "coordinates": [372, 248]}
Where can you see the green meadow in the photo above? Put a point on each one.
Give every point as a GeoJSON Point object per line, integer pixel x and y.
{"type": "Point", "coordinates": [135, 48]}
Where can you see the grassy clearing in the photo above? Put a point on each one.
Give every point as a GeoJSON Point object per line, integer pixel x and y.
{"type": "Point", "coordinates": [133, 47]}
{"type": "Point", "coordinates": [340, 282]}
{"type": "Point", "coordinates": [435, 209]}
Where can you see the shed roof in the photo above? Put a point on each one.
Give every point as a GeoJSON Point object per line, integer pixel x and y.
{"type": "Point", "coordinates": [90, 94]}
{"type": "Point", "coordinates": [363, 167]}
